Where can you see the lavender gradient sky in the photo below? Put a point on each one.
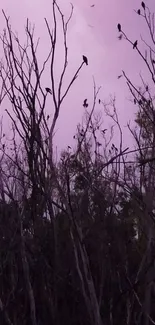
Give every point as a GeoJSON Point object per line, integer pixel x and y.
{"type": "Point", "coordinates": [107, 55]}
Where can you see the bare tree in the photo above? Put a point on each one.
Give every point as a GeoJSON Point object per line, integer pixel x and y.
{"type": "Point", "coordinates": [144, 137]}
{"type": "Point", "coordinates": [31, 167]}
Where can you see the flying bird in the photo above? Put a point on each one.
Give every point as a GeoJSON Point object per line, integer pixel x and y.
{"type": "Point", "coordinates": [85, 60]}
{"type": "Point", "coordinates": [120, 76]}
{"type": "Point", "coordinates": [103, 131]}
{"type": "Point", "coordinates": [92, 6]}
{"type": "Point", "coordinates": [143, 5]}
{"type": "Point", "coordinates": [119, 27]}
{"type": "Point", "coordinates": [138, 11]}
{"type": "Point", "coordinates": [135, 44]}
{"type": "Point", "coordinates": [48, 90]}
{"type": "Point", "coordinates": [120, 37]}
{"type": "Point", "coordinates": [85, 104]}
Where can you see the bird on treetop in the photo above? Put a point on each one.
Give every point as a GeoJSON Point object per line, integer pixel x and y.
{"type": "Point", "coordinates": [135, 44]}
{"type": "Point", "coordinates": [143, 5]}
{"type": "Point", "coordinates": [138, 11]}
{"type": "Point", "coordinates": [85, 60]}
{"type": "Point", "coordinates": [48, 90]}
{"type": "Point", "coordinates": [119, 27]}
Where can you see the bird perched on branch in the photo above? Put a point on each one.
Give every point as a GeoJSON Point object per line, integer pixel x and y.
{"type": "Point", "coordinates": [85, 60]}
{"type": "Point", "coordinates": [135, 44]}
{"type": "Point", "coordinates": [119, 27]}
{"type": "Point", "coordinates": [48, 90]}
{"type": "Point", "coordinates": [143, 5]}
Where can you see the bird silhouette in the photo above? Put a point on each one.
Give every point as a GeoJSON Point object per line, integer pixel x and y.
{"type": "Point", "coordinates": [85, 60]}
{"type": "Point", "coordinates": [143, 5]}
{"type": "Point", "coordinates": [120, 37]}
{"type": "Point", "coordinates": [119, 27]}
{"type": "Point", "coordinates": [48, 90]}
{"type": "Point", "coordinates": [47, 117]}
{"type": "Point", "coordinates": [92, 6]}
{"type": "Point", "coordinates": [138, 11]}
{"type": "Point", "coordinates": [135, 44]}
{"type": "Point", "coordinates": [99, 101]}
{"type": "Point", "coordinates": [120, 76]}
{"type": "Point", "coordinates": [148, 102]}
{"type": "Point", "coordinates": [103, 131]}
{"type": "Point", "coordinates": [85, 104]}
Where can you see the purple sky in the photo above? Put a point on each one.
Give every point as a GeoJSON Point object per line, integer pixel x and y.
{"type": "Point", "coordinates": [107, 55]}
